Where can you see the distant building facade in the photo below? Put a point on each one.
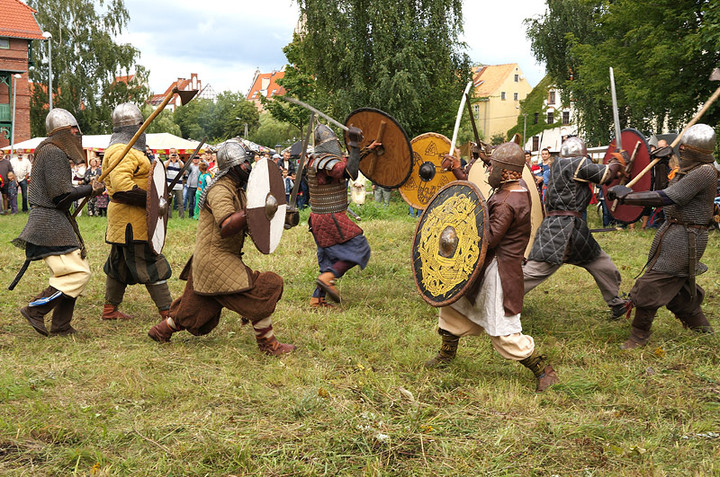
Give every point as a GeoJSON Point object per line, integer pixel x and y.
{"type": "Point", "coordinates": [18, 27]}
{"type": "Point", "coordinates": [265, 84]}
{"type": "Point", "coordinates": [555, 112]}
{"type": "Point", "coordinates": [183, 84]}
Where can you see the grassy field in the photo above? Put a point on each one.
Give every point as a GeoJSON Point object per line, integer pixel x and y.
{"type": "Point", "coordinates": [354, 399]}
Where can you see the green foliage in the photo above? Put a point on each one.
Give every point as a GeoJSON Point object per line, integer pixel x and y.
{"type": "Point", "coordinates": [272, 132]}
{"type": "Point", "coordinates": [399, 56]}
{"type": "Point", "coordinates": [163, 123]}
{"type": "Point", "coordinates": [85, 61]}
{"type": "Point", "coordinates": [662, 54]}
{"type": "Point", "coordinates": [219, 120]}
{"type": "Point", "coordinates": [532, 105]}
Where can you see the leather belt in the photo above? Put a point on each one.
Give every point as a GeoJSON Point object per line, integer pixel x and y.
{"type": "Point", "coordinates": [571, 213]}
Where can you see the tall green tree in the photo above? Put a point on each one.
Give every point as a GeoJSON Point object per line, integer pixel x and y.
{"type": "Point", "coordinates": [85, 61]}
{"type": "Point", "coordinates": [401, 56]}
{"type": "Point", "coordinates": [662, 53]}
{"type": "Point", "coordinates": [219, 120]}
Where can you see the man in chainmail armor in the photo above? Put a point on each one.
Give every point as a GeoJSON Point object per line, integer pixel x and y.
{"type": "Point", "coordinates": [131, 259]}
{"type": "Point", "coordinates": [51, 233]}
{"type": "Point", "coordinates": [216, 276]}
{"type": "Point", "coordinates": [493, 307]}
{"type": "Point", "coordinates": [564, 236]}
{"type": "Point", "coordinates": [340, 242]}
{"type": "Point", "coordinates": [679, 244]}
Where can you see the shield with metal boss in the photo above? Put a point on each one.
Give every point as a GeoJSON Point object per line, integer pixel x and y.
{"type": "Point", "coordinates": [450, 243]}
{"type": "Point", "coordinates": [266, 205]}
{"type": "Point", "coordinates": [156, 207]}
{"type": "Point", "coordinates": [427, 176]}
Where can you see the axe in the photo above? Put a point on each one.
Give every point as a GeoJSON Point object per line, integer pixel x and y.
{"type": "Point", "coordinates": [185, 97]}
{"type": "Point", "coordinates": [714, 76]}
{"type": "Point", "coordinates": [187, 164]}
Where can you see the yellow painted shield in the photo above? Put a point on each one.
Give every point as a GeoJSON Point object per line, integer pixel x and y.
{"type": "Point", "coordinates": [427, 176]}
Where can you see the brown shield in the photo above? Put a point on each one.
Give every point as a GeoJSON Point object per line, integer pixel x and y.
{"type": "Point", "coordinates": [478, 176]}
{"type": "Point", "coordinates": [390, 165]}
{"type": "Point", "coordinates": [427, 176]}
{"type": "Point", "coordinates": [156, 207]}
{"type": "Point", "coordinates": [637, 148]}
{"type": "Point", "coordinates": [450, 243]}
{"type": "Point", "coordinates": [266, 205]}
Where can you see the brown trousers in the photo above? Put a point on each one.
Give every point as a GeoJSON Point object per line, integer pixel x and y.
{"type": "Point", "coordinates": [655, 289]}
{"type": "Point", "coordinates": [200, 314]}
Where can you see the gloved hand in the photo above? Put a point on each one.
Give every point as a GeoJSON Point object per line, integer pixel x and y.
{"type": "Point", "coordinates": [450, 162]}
{"type": "Point", "coordinates": [355, 136]}
{"type": "Point", "coordinates": [292, 218]}
{"type": "Point", "coordinates": [97, 188]}
{"type": "Point", "coordinates": [618, 192]}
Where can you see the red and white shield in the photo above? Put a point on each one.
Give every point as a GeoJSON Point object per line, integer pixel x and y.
{"type": "Point", "coordinates": [156, 207]}
{"type": "Point", "coordinates": [266, 205]}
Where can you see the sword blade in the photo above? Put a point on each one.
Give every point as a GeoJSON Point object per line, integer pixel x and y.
{"type": "Point", "coordinates": [301, 165]}
{"type": "Point", "coordinates": [459, 117]}
{"type": "Point", "coordinates": [616, 115]}
{"type": "Point", "coordinates": [316, 111]}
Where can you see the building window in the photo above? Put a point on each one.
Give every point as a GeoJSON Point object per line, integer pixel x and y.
{"type": "Point", "coordinates": [536, 118]}
{"type": "Point", "coordinates": [5, 43]}
{"type": "Point", "coordinates": [517, 78]}
{"type": "Point", "coordinates": [550, 117]}
{"type": "Point", "coordinates": [551, 99]}
{"type": "Point", "coordinates": [476, 111]}
{"type": "Point", "coordinates": [566, 117]}
{"type": "Point", "coordinates": [502, 95]}
{"type": "Point", "coordinates": [536, 143]}
{"type": "Point", "coordinates": [515, 96]}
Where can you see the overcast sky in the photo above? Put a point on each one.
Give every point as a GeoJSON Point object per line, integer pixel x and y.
{"type": "Point", "coordinates": [226, 41]}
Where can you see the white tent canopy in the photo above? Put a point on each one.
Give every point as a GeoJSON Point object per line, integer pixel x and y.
{"type": "Point", "coordinates": [158, 142]}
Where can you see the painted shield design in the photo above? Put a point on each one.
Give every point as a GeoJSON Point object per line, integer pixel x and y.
{"type": "Point", "coordinates": [427, 176]}
{"type": "Point", "coordinates": [637, 148]}
{"type": "Point", "coordinates": [450, 243]}
{"type": "Point", "coordinates": [266, 205]}
{"type": "Point", "coordinates": [389, 165]}
{"type": "Point", "coordinates": [478, 176]}
{"type": "Point", "coordinates": [156, 207]}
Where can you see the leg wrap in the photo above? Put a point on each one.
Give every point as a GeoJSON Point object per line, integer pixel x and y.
{"type": "Point", "coordinates": [160, 294]}
{"type": "Point", "coordinates": [114, 291]}
{"type": "Point", "coordinates": [535, 363]}
{"type": "Point", "coordinates": [644, 318]}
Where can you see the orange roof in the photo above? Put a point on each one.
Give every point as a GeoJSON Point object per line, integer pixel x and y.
{"type": "Point", "coordinates": [183, 84]}
{"type": "Point", "coordinates": [487, 79]}
{"type": "Point", "coordinates": [270, 79]}
{"type": "Point", "coordinates": [17, 20]}
{"type": "Point", "coordinates": [124, 79]}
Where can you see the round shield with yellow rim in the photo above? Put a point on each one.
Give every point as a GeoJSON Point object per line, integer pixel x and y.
{"type": "Point", "coordinates": [450, 243]}
{"type": "Point", "coordinates": [427, 176]}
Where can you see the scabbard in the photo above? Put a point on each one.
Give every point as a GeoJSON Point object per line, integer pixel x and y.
{"type": "Point", "coordinates": [19, 275]}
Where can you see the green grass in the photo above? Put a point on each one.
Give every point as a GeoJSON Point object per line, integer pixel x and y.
{"type": "Point", "coordinates": [109, 401]}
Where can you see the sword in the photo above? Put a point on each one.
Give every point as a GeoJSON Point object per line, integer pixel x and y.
{"type": "Point", "coordinates": [459, 116]}
{"type": "Point", "coordinates": [472, 119]}
{"type": "Point", "coordinates": [616, 115]}
{"type": "Point", "coordinates": [316, 111]}
{"type": "Point", "coordinates": [186, 165]}
{"type": "Point", "coordinates": [292, 206]}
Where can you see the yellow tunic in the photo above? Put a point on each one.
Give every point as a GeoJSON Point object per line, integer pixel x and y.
{"type": "Point", "coordinates": [134, 170]}
{"type": "Point", "coordinates": [217, 268]}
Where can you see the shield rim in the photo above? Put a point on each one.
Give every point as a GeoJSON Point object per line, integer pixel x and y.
{"type": "Point", "coordinates": [407, 141]}
{"type": "Point", "coordinates": [612, 147]}
{"type": "Point", "coordinates": [483, 248]}
{"type": "Point", "coordinates": [151, 201]}
{"type": "Point", "coordinates": [418, 139]}
{"type": "Point", "coordinates": [279, 217]}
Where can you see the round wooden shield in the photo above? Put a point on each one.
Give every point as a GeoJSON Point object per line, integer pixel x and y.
{"type": "Point", "coordinates": [390, 165]}
{"type": "Point", "coordinates": [450, 243]}
{"type": "Point", "coordinates": [427, 176]}
{"type": "Point", "coordinates": [266, 205]}
{"type": "Point", "coordinates": [478, 176]}
{"type": "Point", "coordinates": [637, 148]}
{"type": "Point", "coordinates": [156, 207]}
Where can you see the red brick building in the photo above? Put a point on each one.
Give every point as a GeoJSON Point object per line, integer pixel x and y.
{"type": "Point", "coordinates": [265, 84]}
{"type": "Point", "coordinates": [18, 28]}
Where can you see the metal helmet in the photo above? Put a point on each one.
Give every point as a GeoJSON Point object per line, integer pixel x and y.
{"type": "Point", "coordinates": [231, 153]}
{"type": "Point", "coordinates": [59, 118]}
{"type": "Point", "coordinates": [508, 156]}
{"type": "Point", "coordinates": [326, 142]}
{"type": "Point", "coordinates": [573, 147]}
{"type": "Point", "coordinates": [126, 114]}
{"type": "Point", "coordinates": [700, 137]}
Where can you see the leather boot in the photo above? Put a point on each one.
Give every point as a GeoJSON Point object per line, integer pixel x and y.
{"type": "Point", "coordinates": [40, 306]}
{"type": "Point", "coordinates": [319, 302]}
{"type": "Point", "coordinates": [637, 339]}
{"type": "Point", "coordinates": [544, 373]}
{"type": "Point", "coordinates": [272, 347]}
{"type": "Point", "coordinates": [620, 310]}
{"type": "Point", "coordinates": [162, 332]}
{"type": "Point", "coordinates": [448, 350]}
{"type": "Point", "coordinates": [62, 316]}
{"type": "Point", "coordinates": [111, 312]}
{"type": "Point", "coordinates": [696, 322]}
{"type": "Point", "coordinates": [326, 281]}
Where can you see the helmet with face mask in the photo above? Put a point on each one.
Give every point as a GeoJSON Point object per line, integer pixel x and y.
{"type": "Point", "coordinates": [58, 124]}
{"type": "Point", "coordinates": [697, 146]}
{"type": "Point", "coordinates": [508, 161]}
